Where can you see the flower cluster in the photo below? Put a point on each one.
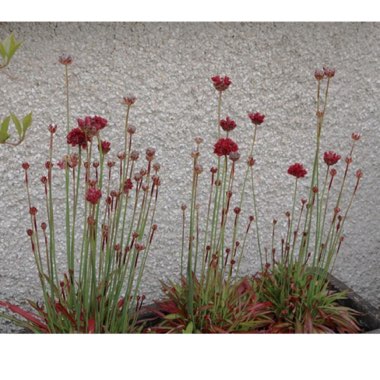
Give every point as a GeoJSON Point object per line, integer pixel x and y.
{"type": "Point", "coordinates": [225, 146]}
{"type": "Point", "coordinates": [297, 170]}
{"type": "Point", "coordinates": [221, 83]}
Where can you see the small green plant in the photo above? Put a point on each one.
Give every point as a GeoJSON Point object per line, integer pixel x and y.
{"type": "Point", "coordinates": [8, 48]}
{"type": "Point", "coordinates": [111, 205]}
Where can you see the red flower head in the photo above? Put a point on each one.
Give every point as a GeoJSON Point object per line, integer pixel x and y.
{"type": "Point", "coordinates": [225, 146]}
{"type": "Point", "coordinates": [77, 137]}
{"type": "Point", "coordinates": [256, 118]}
{"type": "Point", "coordinates": [331, 158]}
{"type": "Point", "coordinates": [106, 146]}
{"type": "Point", "coordinates": [227, 124]}
{"type": "Point", "coordinates": [297, 170]}
{"type": "Point", "coordinates": [221, 83]}
{"type": "Point", "coordinates": [93, 195]}
{"type": "Point", "coordinates": [92, 125]}
{"type": "Point", "coordinates": [128, 185]}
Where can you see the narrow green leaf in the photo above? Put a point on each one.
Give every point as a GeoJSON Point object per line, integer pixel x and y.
{"type": "Point", "coordinates": [17, 124]}
{"type": "Point", "coordinates": [189, 328]}
{"type": "Point", "coordinates": [4, 135]}
{"type": "Point", "coordinates": [26, 123]}
{"type": "Point", "coordinates": [13, 46]}
{"type": "Point", "coordinates": [3, 53]}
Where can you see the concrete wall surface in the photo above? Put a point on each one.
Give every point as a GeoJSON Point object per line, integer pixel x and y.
{"type": "Point", "coordinates": [168, 67]}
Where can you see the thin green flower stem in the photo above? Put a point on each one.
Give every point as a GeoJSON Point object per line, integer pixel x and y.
{"type": "Point", "coordinates": [247, 169]}
{"type": "Point", "coordinates": [290, 232]}
{"type": "Point", "coordinates": [196, 232]}
{"type": "Point", "coordinates": [256, 220]}
{"type": "Point", "coordinates": [219, 111]}
{"type": "Point", "coordinates": [340, 235]}
{"type": "Point", "coordinates": [51, 217]}
{"type": "Point", "coordinates": [321, 223]}
{"type": "Point", "coordinates": [183, 240]}
{"type": "Point", "coordinates": [190, 295]}
{"type": "Point", "coordinates": [220, 245]}
{"type": "Point", "coordinates": [243, 248]}
{"type": "Point", "coordinates": [206, 233]}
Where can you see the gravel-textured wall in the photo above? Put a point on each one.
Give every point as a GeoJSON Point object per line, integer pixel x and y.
{"type": "Point", "coordinates": [168, 67]}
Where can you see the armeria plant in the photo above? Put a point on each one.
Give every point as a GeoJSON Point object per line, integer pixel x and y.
{"type": "Point", "coordinates": [210, 296]}
{"type": "Point", "coordinates": [109, 228]}
{"type": "Point", "coordinates": [295, 275]}
{"type": "Point", "coordinates": [291, 292]}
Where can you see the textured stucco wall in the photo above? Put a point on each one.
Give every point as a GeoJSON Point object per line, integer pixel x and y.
{"type": "Point", "coordinates": [168, 67]}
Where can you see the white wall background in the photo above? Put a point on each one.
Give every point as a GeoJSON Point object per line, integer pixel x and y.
{"type": "Point", "coordinates": [168, 67]}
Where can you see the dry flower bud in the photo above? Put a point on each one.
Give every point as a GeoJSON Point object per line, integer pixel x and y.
{"type": "Point", "coordinates": [287, 214]}
{"type": "Point", "coordinates": [320, 114]}
{"type": "Point", "coordinates": [213, 170]}
{"type": "Point", "coordinates": [237, 210]}
{"type": "Point", "coordinates": [348, 160]}
{"type": "Point", "coordinates": [52, 128]}
{"type": "Point", "coordinates": [198, 140]}
{"type": "Point", "coordinates": [129, 100]}
{"type": "Point", "coordinates": [156, 167]}
{"type": "Point", "coordinates": [25, 165]}
{"type": "Point", "coordinates": [195, 153]}
{"type": "Point", "coordinates": [251, 161]}
{"type": "Point", "coordinates": [274, 221]}
{"type": "Point", "coordinates": [251, 218]}
{"type": "Point", "coordinates": [198, 169]}
{"type": "Point", "coordinates": [111, 164]}
{"type": "Point", "coordinates": [150, 152]}
{"type": "Point", "coordinates": [29, 232]}
{"type": "Point", "coordinates": [131, 129]}
{"type": "Point", "coordinates": [333, 172]}
{"type": "Point", "coordinates": [33, 211]}
{"type": "Point", "coordinates": [303, 200]}
{"type": "Point", "coordinates": [336, 210]}
{"type": "Point", "coordinates": [43, 226]}
{"type": "Point", "coordinates": [154, 227]}
{"type": "Point", "coordinates": [134, 156]}
{"type": "Point", "coordinates": [44, 180]}
{"type": "Point", "coordinates": [218, 182]}
{"type": "Point", "coordinates": [183, 207]}
{"type": "Point", "coordinates": [48, 165]}
{"type": "Point", "coordinates": [319, 74]}
{"type": "Point", "coordinates": [359, 174]}
{"type": "Point", "coordinates": [355, 136]}
{"type": "Point", "coordinates": [91, 220]}
{"type": "Point", "coordinates": [329, 72]}
{"type": "Point", "coordinates": [234, 156]}
{"type": "Point", "coordinates": [315, 189]}
{"type": "Point", "coordinates": [95, 164]}
{"type": "Point", "coordinates": [121, 155]}
{"type": "Point", "coordinates": [137, 177]}
{"type": "Point", "coordinates": [65, 59]}
{"type": "Point", "coordinates": [143, 172]}
{"type": "Point", "coordinates": [92, 182]}
{"type": "Point", "coordinates": [156, 180]}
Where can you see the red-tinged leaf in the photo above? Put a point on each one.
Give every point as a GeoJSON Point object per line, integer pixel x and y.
{"type": "Point", "coordinates": [244, 286]}
{"type": "Point", "coordinates": [61, 309]}
{"type": "Point", "coordinates": [91, 326]}
{"type": "Point", "coordinates": [27, 315]}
